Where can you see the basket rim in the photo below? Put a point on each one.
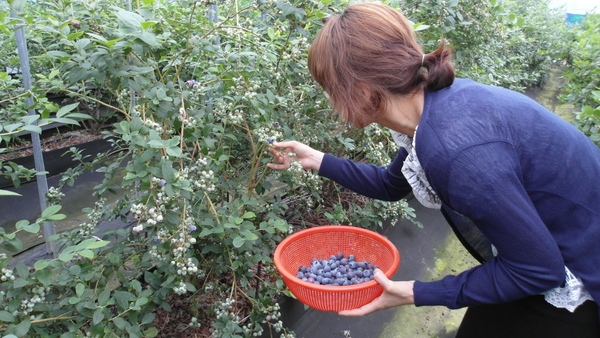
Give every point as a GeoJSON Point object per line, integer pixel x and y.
{"type": "Point", "coordinates": [338, 228]}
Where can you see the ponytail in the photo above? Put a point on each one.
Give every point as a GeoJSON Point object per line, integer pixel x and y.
{"type": "Point", "coordinates": [439, 72]}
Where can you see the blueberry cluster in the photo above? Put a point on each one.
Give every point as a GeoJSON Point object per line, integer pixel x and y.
{"type": "Point", "coordinates": [339, 270]}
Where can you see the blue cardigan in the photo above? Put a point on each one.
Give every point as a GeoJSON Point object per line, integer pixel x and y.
{"type": "Point", "coordinates": [528, 180]}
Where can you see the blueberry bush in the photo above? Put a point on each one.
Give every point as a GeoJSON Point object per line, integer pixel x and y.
{"type": "Point", "coordinates": [509, 43]}
{"type": "Point", "coordinates": [198, 92]}
{"type": "Point", "coordinates": [582, 76]}
{"type": "Point", "coordinates": [198, 98]}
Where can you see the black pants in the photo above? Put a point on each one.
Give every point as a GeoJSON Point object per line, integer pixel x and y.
{"type": "Point", "coordinates": [530, 317]}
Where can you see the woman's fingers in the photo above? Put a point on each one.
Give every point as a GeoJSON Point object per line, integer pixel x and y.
{"type": "Point", "coordinates": [379, 303]}
{"type": "Point", "coordinates": [282, 160]}
{"type": "Point", "coordinates": [364, 310]}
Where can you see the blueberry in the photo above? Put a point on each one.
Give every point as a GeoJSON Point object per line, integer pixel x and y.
{"type": "Point", "coordinates": [271, 139]}
{"type": "Point", "coordinates": [192, 228]}
{"type": "Point", "coordinates": [338, 270]}
{"type": "Point", "coordinates": [162, 182]}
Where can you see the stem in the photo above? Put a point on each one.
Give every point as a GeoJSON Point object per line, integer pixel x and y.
{"type": "Point", "coordinates": [99, 102]}
{"type": "Point", "coordinates": [258, 271]}
{"type": "Point", "coordinates": [12, 98]}
{"type": "Point", "coordinates": [213, 211]}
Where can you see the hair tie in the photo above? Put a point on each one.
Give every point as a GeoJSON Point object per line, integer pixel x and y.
{"type": "Point", "coordinates": [422, 60]}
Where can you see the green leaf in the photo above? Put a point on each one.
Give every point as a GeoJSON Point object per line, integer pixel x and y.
{"type": "Point", "coordinates": [21, 224]}
{"type": "Point", "coordinates": [51, 210]}
{"type": "Point", "coordinates": [55, 54]}
{"type": "Point", "coordinates": [19, 283]}
{"type": "Point", "coordinates": [250, 236]}
{"type": "Point", "coordinates": [44, 276]}
{"type": "Point", "coordinates": [41, 264]}
{"type": "Point", "coordinates": [129, 19]}
{"type": "Point", "coordinates": [238, 241]}
{"type": "Point", "coordinates": [8, 193]}
{"type": "Point", "coordinates": [148, 318]}
{"type": "Point", "coordinates": [174, 151]}
{"type": "Point", "coordinates": [79, 289]}
{"type": "Point", "coordinates": [89, 254]}
{"type": "Point", "coordinates": [57, 217]}
{"type": "Point", "coordinates": [119, 322]}
{"type": "Point", "coordinates": [66, 109]}
{"type": "Point", "coordinates": [148, 24]}
{"type": "Point", "coordinates": [151, 332]}
{"type": "Point", "coordinates": [6, 317]}
{"type": "Point", "coordinates": [141, 301]}
{"type": "Point", "coordinates": [97, 244]}
{"type": "Point", "coordinates": [74, 36]}
{"type": "Point", "coordinates": [22, 270]}
{"type": "Point", "coordinates": [33, 228]}
{"type": "Point", "coordinates": [103, 297]}
{"type": "Point", "coordinates": [98, 316]}
{"type": "Point", "coordinates": [23, 327]}
{"type": "Point", "coordinates": [123, 298]}
{"type": "Point", "coordinates": [33, 129]}
{"type": "Point", "coordinates": [65, 256]}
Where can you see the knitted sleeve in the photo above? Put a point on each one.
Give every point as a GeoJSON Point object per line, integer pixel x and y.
{"type": "Point", "coordinates": [383, 183]}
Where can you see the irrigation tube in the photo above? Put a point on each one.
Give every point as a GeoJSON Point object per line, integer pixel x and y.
{"type": "Point", "coordinates": [42, 183]}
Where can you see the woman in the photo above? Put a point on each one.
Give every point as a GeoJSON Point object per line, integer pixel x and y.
{"type": "Point", "coordinates": [520, 187]}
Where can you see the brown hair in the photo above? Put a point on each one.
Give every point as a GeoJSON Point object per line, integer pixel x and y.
{"type": "Point", "coordinates": [368, 53]}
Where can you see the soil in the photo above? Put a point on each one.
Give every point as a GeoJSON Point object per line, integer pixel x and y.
{"type": "Point", "coordinates": [23, 147]}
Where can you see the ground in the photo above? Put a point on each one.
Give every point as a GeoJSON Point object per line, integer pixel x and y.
{"type": "Point", "coordinates": [23, 147]}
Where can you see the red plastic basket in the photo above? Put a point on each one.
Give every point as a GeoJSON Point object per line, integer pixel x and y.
{"type": "Point", "coordinates": [323, 241]}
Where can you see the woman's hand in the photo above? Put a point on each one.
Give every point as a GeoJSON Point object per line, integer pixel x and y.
{"type": "Point", "coordinates": [394, 294]}
{"type": "Point", "coordinates": [307, 156]}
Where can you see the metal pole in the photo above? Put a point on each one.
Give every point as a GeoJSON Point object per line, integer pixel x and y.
{"type": "Point", "coordinates": [38, 157]}
{"type": "Point", "coordinates": [213, 16]}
